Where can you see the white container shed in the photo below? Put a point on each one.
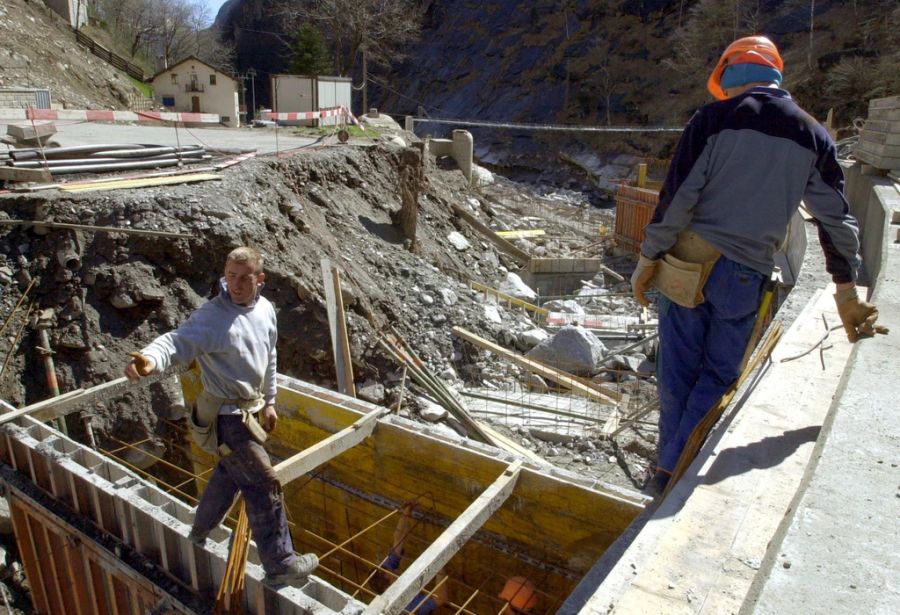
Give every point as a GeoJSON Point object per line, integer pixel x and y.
{"type": "Point", "coordinates": [303, 93]}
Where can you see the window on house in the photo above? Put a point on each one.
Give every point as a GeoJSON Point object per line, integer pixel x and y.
{"type": "Point", "coordinates": [174, 78]}
{"type": "Point", "coordinates": [212, 80]}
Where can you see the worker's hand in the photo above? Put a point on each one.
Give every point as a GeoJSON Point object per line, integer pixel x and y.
{"type": "Point", "coordinates": [140, 365]}
{"type": "Point", "coordinates": [640, 279]}
{"type": "Point", "coordinates": [857, 316]}
{"type": "Point", "coordinates": [269, 418]}
{"type": "Point", "coordinates": [408, 507]}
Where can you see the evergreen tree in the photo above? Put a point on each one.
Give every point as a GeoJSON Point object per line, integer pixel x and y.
{"type": "Point", "coordinates": [310, 55]}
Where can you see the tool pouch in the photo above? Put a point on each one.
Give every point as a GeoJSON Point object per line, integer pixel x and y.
{"type": "Point", "coordinates": [203, 420]}
{"type": "Point", "coordinates": [251, 422]}
{"type": "Point", "coordinates": [683, 271]}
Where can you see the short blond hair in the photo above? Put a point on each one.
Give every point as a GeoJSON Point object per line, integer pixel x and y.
{"type": "Point", "coordinates": [246, 255]}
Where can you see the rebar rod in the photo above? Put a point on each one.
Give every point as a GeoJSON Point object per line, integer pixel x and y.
{"type": "Point", "coordinates": [16, 306]}
{"type": "Point", "coordinates": [360, 533]}
{"type": "Point", "coordinates": [18, 337]}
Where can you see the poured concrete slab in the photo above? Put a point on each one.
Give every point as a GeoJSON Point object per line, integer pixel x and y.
{"type": "Point", "coordinates": [840, 548]}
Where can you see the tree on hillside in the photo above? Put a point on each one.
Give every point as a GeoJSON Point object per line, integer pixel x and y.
{"type": "Point", "coordinates": [309, 54]}
{"type": "Point", "coordinates": [165, 31]}
{"type": "Point", "coordinates": [710, 25]}
{"type": "Point", "coordinates": [377, 28]}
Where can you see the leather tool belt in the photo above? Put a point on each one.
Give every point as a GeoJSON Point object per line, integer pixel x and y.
{"type": "Point", "coordinates": [683, 271]}
{"type": "Point", "coordinates": [205, 414]}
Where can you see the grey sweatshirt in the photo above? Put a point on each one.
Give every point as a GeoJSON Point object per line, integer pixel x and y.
{"type": "Point", "coordinates": [234, 344]}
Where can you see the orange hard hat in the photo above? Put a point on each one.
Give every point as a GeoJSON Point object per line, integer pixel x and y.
{"type": "Point", "coordinates": [519, 592]}
{"type": "Point", "coordinates": [750, 49]}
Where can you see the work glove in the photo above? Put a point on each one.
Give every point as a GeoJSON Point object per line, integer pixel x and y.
{"type": "Point", "coordinates": [142, 364]}
{"type": "Point", "coordinates": [640, 279]}
{"type": "Point", "coordinates": [857, 316]}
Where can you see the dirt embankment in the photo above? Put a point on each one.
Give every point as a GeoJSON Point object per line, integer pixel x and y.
{"type": "Point", "coordinates": [112, 293]}
{"type": "Point", "coordinates": [103, 295]}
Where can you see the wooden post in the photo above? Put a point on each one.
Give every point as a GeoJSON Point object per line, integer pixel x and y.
{"type": "Point", "coordinates": [340, 341]}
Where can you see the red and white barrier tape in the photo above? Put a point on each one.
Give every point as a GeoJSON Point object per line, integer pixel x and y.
{"type": "Point", "coordinates": [311, 115]}
{"type": "Point", "coordinates": [101, 115]}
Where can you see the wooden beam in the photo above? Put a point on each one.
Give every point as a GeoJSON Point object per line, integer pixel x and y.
{"type": "Point", "coordinates": [11, 174]}
{"type": "Point", "coordinates": [337, 323]}
{"type": "Point", "coordinates": [509, 298]}
{"type": "Point", "coordinates": [594, 392]}
{"type": "Point", "coordinates": [442, 550]}
{"type": "Point", "coordinates": [310, 458]}
{"type": "Point", "coordinates": [520, 234]}
{"type": "Point", "coordinates": [67, 403]}
{"type": "Point", "coordinates": [97, 229]}
{"type": "Point", "coordinates": [505, 246]}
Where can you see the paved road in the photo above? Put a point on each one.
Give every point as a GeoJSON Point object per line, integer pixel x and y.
{"type": "Point", "coordinates": [263, 139]}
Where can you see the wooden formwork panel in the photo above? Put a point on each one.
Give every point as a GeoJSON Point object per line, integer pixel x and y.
{"type": "Point", "coordinates": [634, 210]}
{"type": "Point", "coordinates": [71, 574]}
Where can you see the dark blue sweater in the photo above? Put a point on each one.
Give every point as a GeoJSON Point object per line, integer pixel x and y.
{"type": "Point", "coordinates": [741, 169]}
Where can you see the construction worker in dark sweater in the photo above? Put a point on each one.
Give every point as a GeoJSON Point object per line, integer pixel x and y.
{"type": "Point", "coordinates": [741, 168]}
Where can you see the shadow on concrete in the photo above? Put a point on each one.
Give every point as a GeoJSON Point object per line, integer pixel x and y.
{"type": "Point", "coordinates": [762, 454]}
{"type": "Point", "coordinates": [382, 230]}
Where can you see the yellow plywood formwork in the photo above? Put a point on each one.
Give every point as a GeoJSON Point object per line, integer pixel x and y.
{"type": "Point", "coordinates": [142, 183]}
{"type": "Point", "coordinates": [553, 522]}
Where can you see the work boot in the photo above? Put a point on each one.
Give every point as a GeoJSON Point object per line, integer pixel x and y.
{"type": "Point", "coordinates": [197, 537]}
{"type": "Point", "coordinates": [296, 574]}
{"type": "Point", "coordinates": [657, 484]}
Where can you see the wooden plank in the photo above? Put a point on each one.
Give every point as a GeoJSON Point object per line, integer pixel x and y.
{"type": "Point", "coordinates": [505, 246]}
{"type": "Point", "coordinates": [67, 403]}
{"type": "Point", "coordinates": [591, 391]}
{"type": "Point", "coordinates": [337, 324]}
{"type": "Point", "coordinates": [28, 551]}
{"type": "Point", "coordinates": [508, 298]}
{"type": "Point", "coordinates": [535, 232]}
{"type": "Point", "coordinates": [889, 102]}
{"type": "Point", "coordinates": [143, 183]}
{"type": "Point", "coordinates": [442, 550]}
{"type": "Point", "coordinates": [99, 229]}
{"type": "Point", "coordinates": [11, 174]}
{"type": "Point", "coordinates": [311, 458]}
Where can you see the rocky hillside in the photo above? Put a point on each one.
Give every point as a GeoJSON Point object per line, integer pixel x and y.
{"type": "Point", "coordinates": [38, 50]}
{"type": "Point", "coordinates": [623, 62]}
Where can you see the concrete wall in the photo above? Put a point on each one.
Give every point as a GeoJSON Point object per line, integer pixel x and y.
{"type": "Point", "coordinates": [73, 11]}
{"type": "Point", "coordinates": [22, 98]}
{"type": "Point", "coordinates": [192, 80]}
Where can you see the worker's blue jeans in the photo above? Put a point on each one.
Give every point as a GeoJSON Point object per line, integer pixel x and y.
{"type": "Point", "coordinates": [248, 469]}
{"type": "Point", "coordinates": [700, 352]}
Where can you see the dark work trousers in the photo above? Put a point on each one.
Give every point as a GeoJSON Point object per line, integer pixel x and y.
{"type": "Point", "coordinates": [700, 352]}
{"type": "Point", "coordinates": [248, 469]}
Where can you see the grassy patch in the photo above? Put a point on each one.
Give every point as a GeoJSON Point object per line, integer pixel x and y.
{"type": "Point", "coordinates": [145, 88]}
{"type": "Point", "coordinates": [353, 129]}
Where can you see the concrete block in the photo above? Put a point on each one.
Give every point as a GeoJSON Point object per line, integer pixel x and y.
{"type": "Point", "coordinates": [27, 132]}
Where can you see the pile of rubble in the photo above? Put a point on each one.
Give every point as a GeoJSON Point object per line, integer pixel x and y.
{"type": "Point", "coordinates": [110, 293]}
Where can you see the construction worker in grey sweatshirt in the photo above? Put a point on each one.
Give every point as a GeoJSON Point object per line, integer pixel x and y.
{"type": "Point", "coordinates": [233, 339]}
